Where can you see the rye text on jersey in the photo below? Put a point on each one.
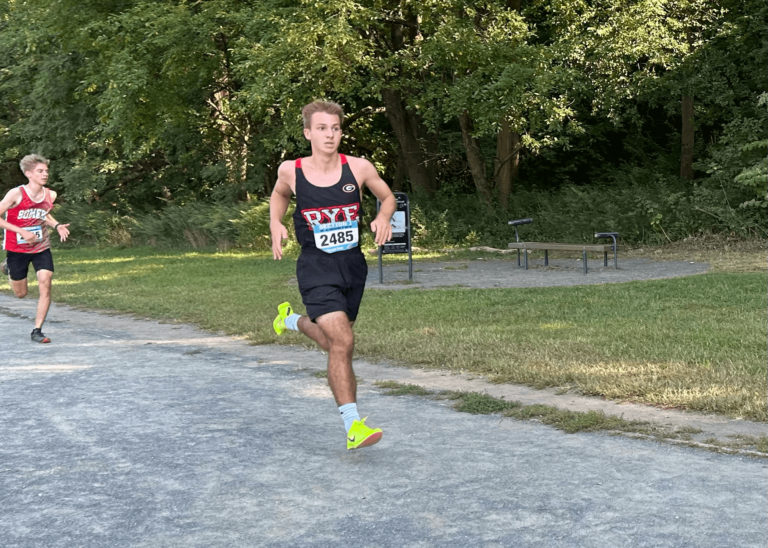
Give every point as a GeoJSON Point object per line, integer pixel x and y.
{"type": "Point", "coordinates": [335, 214]}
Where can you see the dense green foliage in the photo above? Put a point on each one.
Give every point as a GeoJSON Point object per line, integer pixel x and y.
{"type": "Point", "coordinates": [177, 112]}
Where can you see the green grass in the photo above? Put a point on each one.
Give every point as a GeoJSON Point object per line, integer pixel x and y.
{"type": "Point", "coordinates": [568, 421]}
{"type": "Point", "coordinates": [695, 343]}
{"type": "Point", "coordinates": [394, 388]}
{"type": "Point", "coordinates": [572, 422]}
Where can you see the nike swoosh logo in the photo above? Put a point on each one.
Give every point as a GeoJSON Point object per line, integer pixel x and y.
{"type": "Point", "coordinates": [352, 439]}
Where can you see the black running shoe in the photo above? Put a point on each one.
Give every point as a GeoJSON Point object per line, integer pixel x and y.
{"type": "Point", "coordinates": [4, 267]}
{"type": "Point", "coordinates": [37, 336]}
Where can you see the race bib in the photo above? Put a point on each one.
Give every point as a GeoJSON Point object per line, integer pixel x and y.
{"type": "Point", "coordinates": [333, 237]}
{"type": "Point", "coordinates": [36, 230]}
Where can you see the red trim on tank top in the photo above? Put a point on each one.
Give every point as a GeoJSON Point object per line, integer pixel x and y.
{"type": "Point", "coordinates": [343, 161]}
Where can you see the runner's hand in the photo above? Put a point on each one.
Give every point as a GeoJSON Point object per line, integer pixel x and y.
{"type": "Point", "coordinates": [279, 233]}
{"type": "Point", "coordinates": [383, 230]}
{"type": "Point", "coordinates": [63, 231]}
{"type": "Point", "coordinates": [30, 237]}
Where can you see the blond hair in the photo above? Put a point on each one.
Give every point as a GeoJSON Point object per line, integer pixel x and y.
{"type": "Point", "coordinates": [321, 106]}
{"type": "Point", "coordinates": [29, 161]}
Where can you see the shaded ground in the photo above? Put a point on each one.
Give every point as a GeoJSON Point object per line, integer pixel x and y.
{"type": "Point", "coordinates": [128, 432]}
{"type": "Point", "coordinates": [484, 273]}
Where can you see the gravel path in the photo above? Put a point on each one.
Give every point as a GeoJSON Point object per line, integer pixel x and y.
{"type": "Point", "coordinates": [560, 272]}
{"type": "Point", "coordinates": [133, 433]}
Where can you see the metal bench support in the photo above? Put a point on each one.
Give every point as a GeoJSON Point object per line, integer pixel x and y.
{"type": "Point", "coordinates": [614, 247]}
{"type": "Point", "coordinates": [515, 223]}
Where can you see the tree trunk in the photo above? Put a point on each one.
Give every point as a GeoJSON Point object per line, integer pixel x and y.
{"type": "Point", "coordinates": [413, 157]}
{"type": "Point", "coordinates": [474, 157]}
{"type": "Point", "coordinates": [270, 173]}
{"type": "Point", "coordinates": [507, 161]}
{"type": "Point", "coordinates": [686, 155]}
{"type": "Point", "coordinates": [400, 173]}
{"type": "Point", "coordinates": [429, 143]}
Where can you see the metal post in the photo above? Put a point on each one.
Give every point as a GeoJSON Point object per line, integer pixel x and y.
{"type": "Point", "coordinates": [614, 247]}
{"type": "Point", "coordinates": [410, 256]}
{"type": "Point", "coordinates": [517, 239]}
{"type": "Point", "coordinates": [546, 258]}
{"type": "Point", "coordinates": [381, 270]}
{"type": "Point", "coordinates": [584, 254]}
{"type": "Point", "coordinates": [525, 251]}
{"type": "Point", "coordinates": [605, 258]}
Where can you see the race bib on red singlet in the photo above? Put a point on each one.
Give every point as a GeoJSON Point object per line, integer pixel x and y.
{"type": "Point", "coordinates": [333, 237]}
{"type": "Point", "coordinates": [36, 230]}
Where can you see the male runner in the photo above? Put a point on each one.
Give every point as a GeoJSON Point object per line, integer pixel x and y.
{"type": "Point", "coordinates": [27, 210]}
{"type": "Point", "coordinates": [331, 269]}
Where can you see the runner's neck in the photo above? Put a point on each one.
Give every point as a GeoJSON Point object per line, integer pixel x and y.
{"type": "Point", "coordinates": [34, 193]}
{"type": "Point", "coordinates": [324, 163]}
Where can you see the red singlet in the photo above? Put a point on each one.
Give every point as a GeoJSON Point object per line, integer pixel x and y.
{"type": "Point", "coordinates": [29, 215]}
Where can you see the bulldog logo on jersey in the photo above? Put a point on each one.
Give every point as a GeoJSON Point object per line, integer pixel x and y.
{"type": "Point", "coordinates": [348, 188]}
{"type": "Point", "coordinates": [334, 214]}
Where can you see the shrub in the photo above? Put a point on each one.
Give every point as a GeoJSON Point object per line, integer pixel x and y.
{"type": "Point", "coordinates": [93, 226]}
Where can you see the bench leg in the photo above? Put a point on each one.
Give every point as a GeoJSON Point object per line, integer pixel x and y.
{"type": "Point", "coordinates": [546, 258]}
{"type": "Point", "coordinates": [525, 251]}
{"type": "Point", "coordinates": [584, 254]}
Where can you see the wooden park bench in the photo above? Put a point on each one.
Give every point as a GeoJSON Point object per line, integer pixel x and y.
{"type": "Point", "coordinates": [546, 247]}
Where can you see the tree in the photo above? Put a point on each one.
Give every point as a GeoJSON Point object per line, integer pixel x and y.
{"type": "Point", "coordinates": [626, 47]}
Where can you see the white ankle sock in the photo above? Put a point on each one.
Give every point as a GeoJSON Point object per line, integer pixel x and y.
{"type": "Point", "coordinates": [292, 322]}
{"type": "Point", "coordinates": [349, 414]}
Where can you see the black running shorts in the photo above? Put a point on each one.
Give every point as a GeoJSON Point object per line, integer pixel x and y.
{"type": "Point", "coordinates": [331, 282]}
{"type": "Point", "coordinates": [18, 263]}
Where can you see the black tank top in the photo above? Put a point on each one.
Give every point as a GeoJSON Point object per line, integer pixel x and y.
{"type": "Point", "coordinates": [317, 205]}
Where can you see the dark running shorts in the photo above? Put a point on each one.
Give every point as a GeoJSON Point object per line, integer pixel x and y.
{"type": "Point", "coordinates": [18, 263]}
{"type": "Point", "coordinates": [331, 282]}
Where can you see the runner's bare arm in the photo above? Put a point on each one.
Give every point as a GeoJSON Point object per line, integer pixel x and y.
{"type": "Point", "coordinates": [12, 199]}
{"type": "Point", "coordinates": [370, 177]}
{"type": "Point", "coordinates": [278, 205]}
{"type": "Point", "coordinates": [62, 229]}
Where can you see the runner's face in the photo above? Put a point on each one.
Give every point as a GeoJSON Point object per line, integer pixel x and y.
{"type": "Point", "coordinates": [324, 132]}
{"type": "Point", "coordinates": [38, 174]}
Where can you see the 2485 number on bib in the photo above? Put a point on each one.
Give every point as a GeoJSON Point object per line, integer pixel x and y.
{"type": "Point", "coordinates": [333, 237]}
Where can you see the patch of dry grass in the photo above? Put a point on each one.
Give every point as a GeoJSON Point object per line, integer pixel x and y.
{"type": "Point", "coordinates": [724, 253]}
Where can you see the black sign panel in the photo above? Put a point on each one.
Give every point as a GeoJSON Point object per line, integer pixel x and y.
{"type": "Point", "coordinates": [401, 226]}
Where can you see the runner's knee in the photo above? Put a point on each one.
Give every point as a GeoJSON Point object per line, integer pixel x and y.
{"type": "Point", "coordinates": [341, 337]}
{"type": "Point", "coordinates": [345, 342]}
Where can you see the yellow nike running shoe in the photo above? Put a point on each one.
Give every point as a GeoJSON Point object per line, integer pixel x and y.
{"type": "Point", "coordinates": [283, 311]}
{"type": "Point", "coordinates": [360, 435]}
